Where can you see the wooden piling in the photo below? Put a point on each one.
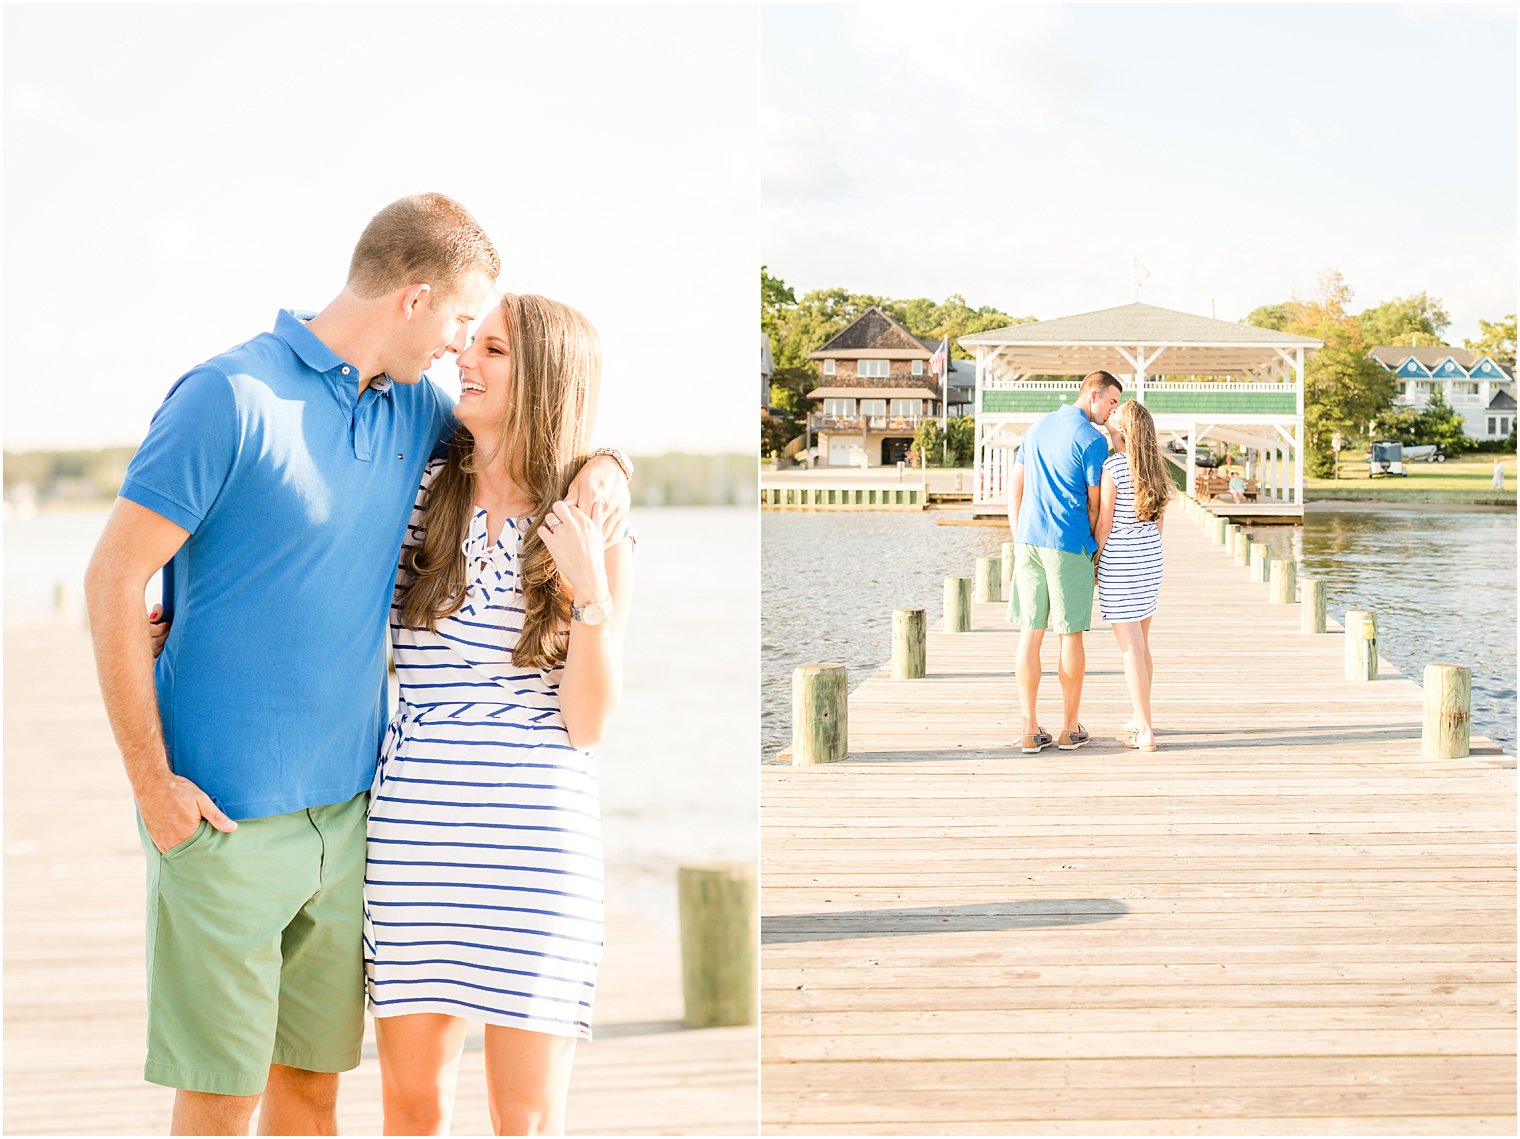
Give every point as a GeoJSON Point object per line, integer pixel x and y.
{"type": "Point", "coordinates": [1361, 645]}
{"type": "Point", "coordinates": [1284, 578]}
{"type": "Point", "coordinates": [989, 579]}
{"type": "Point", "coordinates": [820, 722]}
{"type": "Point", "coordinates": [1447, 729]}
{"type": "Point", "coordinates": [1243, 545]}
{"type": "Point", "coordinates": [719, 904]}
{"type": "Point", "coordinates": [1231, 534]}
{"type": "Point", "coordinates": [909, 638]}
{"type": "Point", "coordinates": [1260, 556]}
{"type": "Point", "coordinates": [1312, 605]}
{"type": "Point", "coordinates": [1005, 563]}
{"type": "Point", "coordinates": [957, 604]}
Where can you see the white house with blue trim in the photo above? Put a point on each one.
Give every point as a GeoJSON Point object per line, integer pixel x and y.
{"type": "Point", "coordinates": [1478, 388]}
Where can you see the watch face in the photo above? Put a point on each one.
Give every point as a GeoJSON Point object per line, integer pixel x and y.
{"type": "Point", "coordinates": [595, 613]}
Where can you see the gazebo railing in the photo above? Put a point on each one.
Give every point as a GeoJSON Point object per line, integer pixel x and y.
{"type": "Point", "coordinates": [991, 385]}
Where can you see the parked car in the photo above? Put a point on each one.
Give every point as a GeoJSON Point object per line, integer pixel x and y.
{"type": "Point", "coordinates": [1205, 454]}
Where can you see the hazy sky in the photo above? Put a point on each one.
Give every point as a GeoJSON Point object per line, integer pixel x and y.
{"type": "Point", "coordinates": [174, 175]}
{"type": "Point", "coordinates": [1023, 155]}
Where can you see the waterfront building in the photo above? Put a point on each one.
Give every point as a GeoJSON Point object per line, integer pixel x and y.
{"type": "Point", "coordinates": [876, 385]}
{"type": "Point", "coordinates": [1479, 389]}
{"type": "Point", "coordinates": [1205, 381]}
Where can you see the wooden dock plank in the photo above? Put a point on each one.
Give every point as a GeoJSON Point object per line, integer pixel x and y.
{"type": "Point", "coordinates": [75, 1004]}
{"type": "Point", "coordinates": [1286, 921]}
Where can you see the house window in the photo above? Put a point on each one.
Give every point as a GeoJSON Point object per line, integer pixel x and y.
{"type": "Point", "coordinates": [1465, 388]}
{"type": "Point", "coordinates": [872, 369]}
{"type": "Point", "coordinates": [839, 407]}
{"type": "Point", "coordinates": [907, 407]}
{"type": "Point", "coordinates": [873, 407]}
{"type": "Point", "coordinates": [1492, 430]}
{"type": "Point", "coordinates": [828, 367]}
{"type": "Point", "coordinates": [1403, 389]}
{"type": "Point", "coordinates": [918, 367]}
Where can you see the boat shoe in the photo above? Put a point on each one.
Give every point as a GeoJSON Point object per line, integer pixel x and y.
{"type": "Point", "coordinates": [1036, 743]}
{"type": "Point", "coordinates": [1070, 741]}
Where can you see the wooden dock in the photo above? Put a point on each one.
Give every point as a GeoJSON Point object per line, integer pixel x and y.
{"type": "Point", "coordinates": [74, 991]}
{"type": "Point", "coordinates": [1284, 922]}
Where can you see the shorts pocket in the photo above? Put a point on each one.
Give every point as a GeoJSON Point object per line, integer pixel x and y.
{"type": "Point", "coordinates": [195, 836]}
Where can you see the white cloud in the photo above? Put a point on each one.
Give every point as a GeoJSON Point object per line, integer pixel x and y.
{"type": "Point", "coordinates": [1008, 58]}
{"type": "Point", "coordinates": [799, 162]}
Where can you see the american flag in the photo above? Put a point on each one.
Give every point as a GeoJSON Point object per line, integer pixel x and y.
{"type": "Point", "coordinates": [941, 354]}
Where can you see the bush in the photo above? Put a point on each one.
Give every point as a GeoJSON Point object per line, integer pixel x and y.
{"type": "Point", "coordinates": [776, 431]}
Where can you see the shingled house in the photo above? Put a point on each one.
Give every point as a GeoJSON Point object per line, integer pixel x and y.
{"type": "Point", "coordinates": [1481, 391]}
{"type": "Point", "coordinates": [876, 385]}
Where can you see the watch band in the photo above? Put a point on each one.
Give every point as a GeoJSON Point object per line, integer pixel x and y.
{"type": "Point", "coordinates": [625, 464]}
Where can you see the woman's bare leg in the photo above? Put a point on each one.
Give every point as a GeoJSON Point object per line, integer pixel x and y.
{"type": "Point", "coordinates": [419, 1071]}
{"type": "Point", "coordinates": [1137, 676]}
{"type": "Point", "coordinates": [527, 1080]}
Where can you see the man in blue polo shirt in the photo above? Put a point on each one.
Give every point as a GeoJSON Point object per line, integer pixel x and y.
{"type": "Point", "coordinates": [1052, 508]}
{"type": "Point", "coordinates": [273, 489]}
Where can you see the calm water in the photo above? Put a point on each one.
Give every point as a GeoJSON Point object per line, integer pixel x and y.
{"type": "Point", "coordinates": [1442, 585]}
{"type": "Point", "coordinates": [677, 769]}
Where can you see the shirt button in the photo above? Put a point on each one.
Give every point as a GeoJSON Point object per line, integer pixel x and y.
{"type": "Point", "coordinates": [345, 369]}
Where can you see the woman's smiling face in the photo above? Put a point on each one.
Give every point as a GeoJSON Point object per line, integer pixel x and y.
{"type": "Point", "coordinates": [485, 375]}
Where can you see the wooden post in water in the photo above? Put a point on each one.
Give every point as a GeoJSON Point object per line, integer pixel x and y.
{"type": "Point", "coordinates": [1242, 549]}
{"type": "Point", "coordinates": [1259, 562]}
{"type": "Point", "coordinates": [1361, 645]}
{"type": "Point", "coordinates": [909, 655]}
{"type": "Point", "coordinates": [820, 720]}
{"type": "Point", "coordinates": [719, 945]}
{"type": "Point", "coordinates": [1005, 563]}
{"type": "Point", "coordinates": [957, 605]}
{"type": "Point", "coordinates": [1312, 610]}
{"type": "Point", "coordinates": [989, 580]}
{"type": "Point", "coordinates": [1447, 732]}
{"type": "Point", "coordinates": [1284, 578]}
{"type": "Point", "coordinates": [1231, 535]}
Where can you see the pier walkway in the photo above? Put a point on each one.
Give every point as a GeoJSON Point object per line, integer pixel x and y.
{"type": "Point", "coordinates": [75, 1016]}
{"type": "Point", "coordinates": [1285, 921]}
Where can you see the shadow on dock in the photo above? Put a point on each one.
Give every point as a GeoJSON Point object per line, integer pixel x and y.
{"type": "Point", "coordinates": [987, 917]}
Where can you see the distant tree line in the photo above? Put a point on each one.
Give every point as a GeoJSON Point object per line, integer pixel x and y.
{"type": "Point", "coordinates": [672, 479]}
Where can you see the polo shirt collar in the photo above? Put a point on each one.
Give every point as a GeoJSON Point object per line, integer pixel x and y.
{"type": "Point", "coordinates": [290, 326]}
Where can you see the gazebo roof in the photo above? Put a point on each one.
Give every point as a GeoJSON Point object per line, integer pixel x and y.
{"type": "Point", "coordinates": [1106, 339]}
{"type": "Point", "coordinates": [1139, 324]}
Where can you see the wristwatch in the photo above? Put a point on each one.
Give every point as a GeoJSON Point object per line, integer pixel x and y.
{"type": "Point", "coordinates": [625, 464]}
{"type": "Point", "coordinates": [593, 612]}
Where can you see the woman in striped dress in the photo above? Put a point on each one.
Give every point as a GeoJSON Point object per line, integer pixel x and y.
{"type": "Point", "coordinates": [483, 892]}
{"type": "Point", "coordinates": [1134, 495]}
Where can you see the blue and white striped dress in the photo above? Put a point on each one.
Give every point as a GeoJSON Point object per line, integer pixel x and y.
{"type": "Point", "coordinates": [1129, 572]}
{"type": "Point", "coordinates": [483, 889]}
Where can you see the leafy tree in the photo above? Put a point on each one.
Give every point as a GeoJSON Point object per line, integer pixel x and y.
{"type": "Point", "coordinates": [1344, 388]}
{"type": "Point", "coordinates": [1497, 340]}
{"type": "Point", "coordinates": [1401, 424]}
{"type": "Point", "coordinates": [1441, 424]}
{"type": "Point", "coordinates": [962, 441]}
{"type": "Point", "coordinates": [776, 432]}
{"type": "Point", "coordinates": [928, 445]}
{"type": "Point", "coordinates": [1415, 319]}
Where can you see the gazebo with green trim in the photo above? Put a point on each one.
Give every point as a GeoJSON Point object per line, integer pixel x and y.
{"type": "Point", "coordinates": [1200, 378]}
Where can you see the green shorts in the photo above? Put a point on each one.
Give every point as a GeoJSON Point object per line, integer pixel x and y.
{"type": "Point", "coordinates": [255, 951]}
{"type": "Point", "coordinates": [1051, 589]}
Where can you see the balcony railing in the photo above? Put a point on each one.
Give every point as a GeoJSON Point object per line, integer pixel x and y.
{"type": "Point", "coordinates": [820, 422]}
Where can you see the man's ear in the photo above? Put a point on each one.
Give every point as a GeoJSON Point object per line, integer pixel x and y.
{"type": "Point", "coordinates": [415, 299]}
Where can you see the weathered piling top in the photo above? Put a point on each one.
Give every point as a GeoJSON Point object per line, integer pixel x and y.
{"type": "Point", "coordinates": [75, 1016]}
{"type": "Point", "coordinates": [1285, 921]}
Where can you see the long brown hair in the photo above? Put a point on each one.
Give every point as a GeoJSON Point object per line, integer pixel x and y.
{"type": "Point", "coordinates": [556, 374]}
{"type": "Point", "coordinates": [1147, 467]}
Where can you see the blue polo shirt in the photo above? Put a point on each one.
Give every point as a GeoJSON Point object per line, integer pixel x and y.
{"type": "Point", "coordinates": [295, 490]}
{"type": "Point", "coordinates": [1063, 455]}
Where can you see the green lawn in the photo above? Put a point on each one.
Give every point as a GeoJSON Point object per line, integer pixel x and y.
{"type": "Point", "coordinates": [1471, 472]}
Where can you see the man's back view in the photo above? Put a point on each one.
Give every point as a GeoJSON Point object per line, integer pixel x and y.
{"type": "Point", "coordinates": [1052, 506]}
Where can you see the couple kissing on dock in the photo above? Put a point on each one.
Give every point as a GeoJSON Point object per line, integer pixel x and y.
{"type": "Point", "coordinates": [1083, 517]}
